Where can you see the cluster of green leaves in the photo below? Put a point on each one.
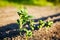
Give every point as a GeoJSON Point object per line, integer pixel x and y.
{"type": "Point", "coordinates": [41, 24]}
{"type": "Point", "coordinates": [32, 24]}
{"type": "Point", "coordinates": [46, 24]}
{"type": "Point", "coordinates": [49, 23]}
{"type": "Point", "coordinates": [24, 18]}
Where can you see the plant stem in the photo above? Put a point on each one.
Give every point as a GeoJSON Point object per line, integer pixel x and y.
{"type": "Point", "coordinates": [21, 21]}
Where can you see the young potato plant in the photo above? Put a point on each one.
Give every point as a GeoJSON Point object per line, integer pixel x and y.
{"type": "Point", "coordinates": [41, 24]}
{"type": "Point", "coordinates": [48, 24]}
{"type": "Point", "coordinates": [23, 18]}
{"type": "Point", "coordinates": [27, 32]}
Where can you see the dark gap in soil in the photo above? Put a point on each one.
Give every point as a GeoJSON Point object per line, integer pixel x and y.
{"type": "Point", "coordinates": [9, 30]}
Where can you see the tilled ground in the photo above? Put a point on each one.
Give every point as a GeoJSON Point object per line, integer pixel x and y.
{"type": "Point", "coordinates": [53, 33]}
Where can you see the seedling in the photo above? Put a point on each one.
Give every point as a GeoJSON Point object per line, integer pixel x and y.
{"type": "Point", "coordinates": [41, 24]}
{"type": "Point", "coordinates": [23, 17]}
{"type": "Point", "coordinates": [32, 24]}
{"type": "Point", "coordinates": [49, 23]}
{"type": "Point", "coordinates": [28, 33]}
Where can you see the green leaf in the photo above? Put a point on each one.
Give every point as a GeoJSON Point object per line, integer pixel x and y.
{"type": "Point", "coordinates": [18, 22]}
{"type": "Point", "coordinates": [29, 33]}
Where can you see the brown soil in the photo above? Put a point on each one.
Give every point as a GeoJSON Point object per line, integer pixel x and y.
{"type": "Point", "coordinates": [9, 15]}
{"type": "Point", "coordinates": [53, 33]}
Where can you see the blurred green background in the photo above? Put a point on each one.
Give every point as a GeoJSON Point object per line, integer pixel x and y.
{"type": "Point", "coordinates": [16, 3]}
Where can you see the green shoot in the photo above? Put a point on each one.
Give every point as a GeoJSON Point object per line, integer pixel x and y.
{"type": "Point", "coordinates": [41, 24]}
{"type": "Point", "coordinates": [28, 34]}
{"type": "Point", "coordinates": [23, 17]}
{"type": "Point", "coordinates": [49, 23]}
{"type": "Point", "coordinates": [32, 24]}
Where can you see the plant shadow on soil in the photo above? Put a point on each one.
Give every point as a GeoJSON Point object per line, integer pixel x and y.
{"type": "Point", "coordinates": [11, 30]}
